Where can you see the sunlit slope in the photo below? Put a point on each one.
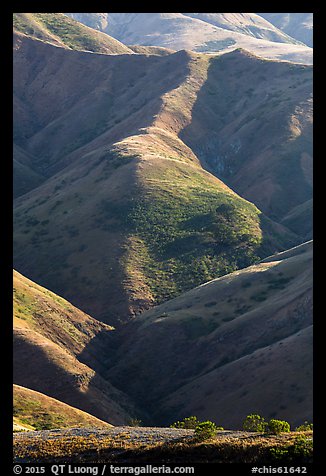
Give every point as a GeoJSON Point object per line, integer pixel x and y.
{"type": "Point", "coordinates": [251, 125]}
{"type": "Point", "coordinates": [249, 24]}
{"type": "Point", "coordinates": [34, 410]}
{"type": "Point", "coordinates": [57, 351]}
{"type": "Point", "coordinates": [151, 222]}
{"type": "Point", "coordinates": [236, 345]}
{"type": "Point", "coordinates": [219, 32]}
{"type": "Point", "coordinates": [58, 29]}
{"type": "Point", "coordinates": [298, 25]}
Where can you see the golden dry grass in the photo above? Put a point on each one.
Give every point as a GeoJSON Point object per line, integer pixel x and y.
{"type": "Point", "coordinates": [34, 410]}
{"type": "Point", "coordinates": [247, 447]}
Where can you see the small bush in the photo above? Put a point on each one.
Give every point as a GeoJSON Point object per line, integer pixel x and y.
{"type": "Point", "coordinates": [279, 453]}
{"type": "Point", "coordinates": [305, 427]}
{"type": "Point", "coordinates": [299, 451]}
{"type": "Point", "coordinates": [188, 423]}
{"type": "Point", "coordinates": [135, 422]}
{"type": "Point", "coordinates": [205, 430]}
{"type": "Point", "coordinates": [278, 426]}
{"type": "Point", "coordinates": [303, 447]}
{"type": "Point", "coordinates": [254, 422]}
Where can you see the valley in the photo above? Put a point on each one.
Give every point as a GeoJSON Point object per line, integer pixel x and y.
{"type": "Point", "coordinates": [163, 235]}
{"type": "Point", "coordinates": [156, 158]}
{"type": "Point", "coordinates": [220, 344]}
{"type": "Point", "coordinates": [208, 32]}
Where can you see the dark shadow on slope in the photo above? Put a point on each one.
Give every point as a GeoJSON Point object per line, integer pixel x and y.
{"type": "Point", "coordinates": [245, 129]}
{"type": "Point", "coordinates": [151, 362]}
{"type": "Point", "coordinates": [59, 375]}
{"type": "Point", "coordinates": [123, 96]}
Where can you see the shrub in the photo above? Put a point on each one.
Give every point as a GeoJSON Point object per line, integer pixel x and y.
{"type": "Point", "coordinates": [279, 453]}
{"type": "Point", "coordinates": [299, 451]}
{"type": "Point", "coordinates": [135, 422]}
{"type": "Point", "coordinates": [188, 422]}
{"type": "Point", "coordinates": [205, 430]}
{"type": "Point", "coordinates": [305, 427]}
{"type": "Point", "coordinates": [254, 422]}
{"type": "Point", "coordinates": [278, 426]}
{"type": "Point", "coordinates": [303, 447]}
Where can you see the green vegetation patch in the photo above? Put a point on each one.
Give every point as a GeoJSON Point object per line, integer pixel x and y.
{"type": "Point", "coordinates": [186, 231]}
{"type": "Point", "coordinates": [23, 24]}
{"type": "Point", "coordinates": [32, 302]}
{"type": "Point", "coordinates": [23, 304]}
{"type": "Point", "coordinates": [187, 423]}
{"type": "Point", "coordinates": [65, 29]}
{"type": "Point", "coordinates": [40, 412]}
{"type": "Point", "coordinates": [30, 412]}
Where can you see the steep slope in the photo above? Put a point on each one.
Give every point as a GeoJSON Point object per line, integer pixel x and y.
{"type": "Point", "coordinates": [64, 32]}
{"type": "Point", "coordinates": [58, 29]}
{"type": "Point", "coordinates": [297, 25]}
{"type": "Point", "coordinates": [236, 345]}
{"type": "Point", "coordinates": [164, 224]}
{"type": "Point", "coordinates": [98, 21]}
{"type": "Point", "coordinates": [40, 412]}
{"type": "Point", "coordinates": [249, 24]}
{"type": "Point", "coordinates": [151, 50]}
{"type": "Point", "coordinates": [156, 210]}
{"type": "Point", "coordinates": [255, 382]}
{"type": "Point", "coordinates": [54, 353]}
{"type": "Point", "coordinates": [25, 177]}
{"type": "Point", "coordinates": [180, 31]}
{"type": "Point", "coordinates": [251, 125]}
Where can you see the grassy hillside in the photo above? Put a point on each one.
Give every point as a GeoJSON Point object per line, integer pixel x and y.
{"type": "Point", "coordinates": [40, 310]}
{"type": "Point", "coordinates": [253, 134]}
{"type": "Point", "coordinates": [36, 411]}
{"type": "Point", "coordinates": [176, 227]}
{"type": "Point", "coordinates": [55, 353]}
{"type": "Point", "coordinates": [186, 227]}
{"type": "Point", "coordinates": [298, 25]}
{"type": "Point", "coordinates": [151, 50]}
{"type": "Point", "coordinates": [249, 24]}
{"type": "Point", "coordinates": [63, 31]}
{"type": "Point", "coordinates": [164, 223]}
{"type": "Point", "coordinates": [200, 32]}
{"type": "Point", "coordinates": [236, 345]}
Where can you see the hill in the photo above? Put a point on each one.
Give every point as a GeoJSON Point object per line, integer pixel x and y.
{"type": "Point", "coordinates": [200, 32]}
{"type": "Point", "coordinates": [53, 353]}
{"type": "Point", "coordinates": [237, 345]}
{"type": "Point", "coordinates": [36, 411]}
{"type": "Point", "coordinates": [249, 24]}
{"type": "Point", "coordinates": [297, 25]}
{"type": "Point", "coordinates": [165, 224]}
{"type": "Point", "coordinates": [252, 127]}
{"type": "Point", "coordinates": [59, 30]}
